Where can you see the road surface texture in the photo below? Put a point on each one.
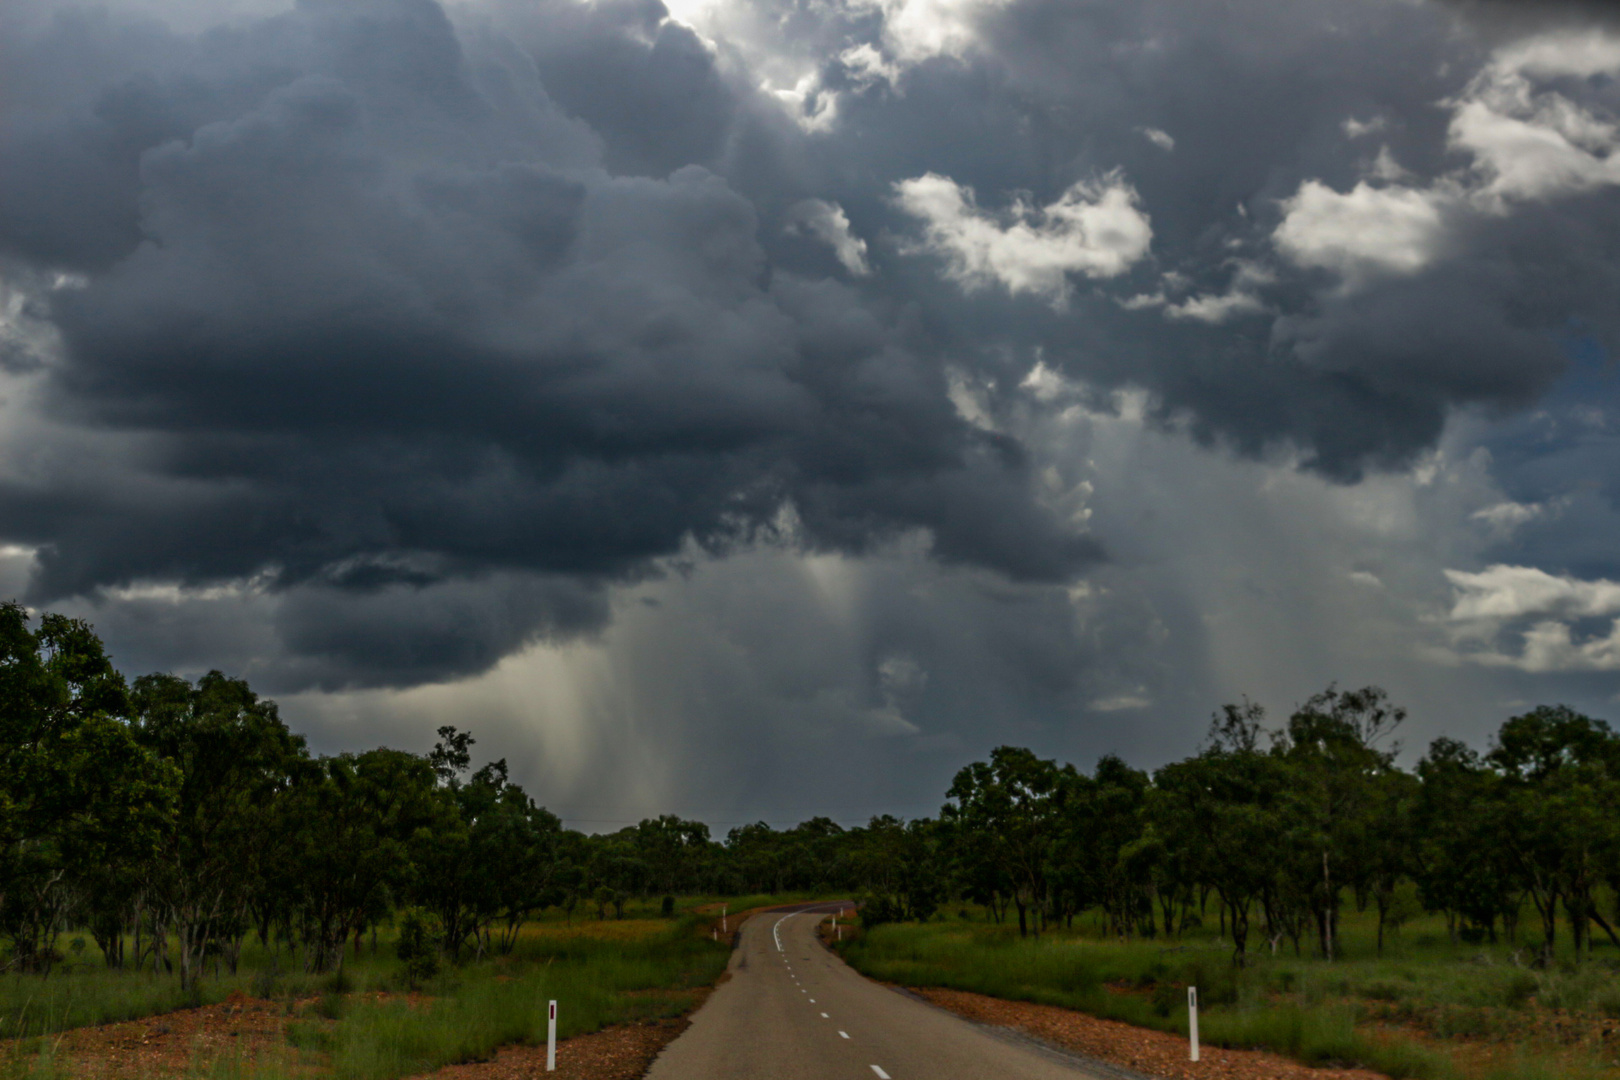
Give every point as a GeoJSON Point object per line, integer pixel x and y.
{"type": "Point", "coordinates": [793, 1011]}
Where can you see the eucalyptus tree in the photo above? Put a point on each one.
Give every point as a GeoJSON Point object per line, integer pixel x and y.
{"type": "Point", "coordinates": [1560, 775]}
{"type": "Point", "coordinates": [80, 800]}
{"type": "Point", "coordinates": [901, 868]}
{"type": "Point", "coordinates": [349, 821]}
{"type": "Point", "coordinates": [1012, 804]}
{"type": "Point", "coordinates": [1458, 860]}
{"type": "Point", "coordinates": [234, 758]}
{"type": "Point", "coordinates": [1331, 745]}
{"type": "Point", "coordinates": [1219, 813]}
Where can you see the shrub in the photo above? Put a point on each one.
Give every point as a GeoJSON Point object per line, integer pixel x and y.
{"type": "Point", "coordinates": [420, 939]}
{"type": "Point", "coordinates": [1519, 989]}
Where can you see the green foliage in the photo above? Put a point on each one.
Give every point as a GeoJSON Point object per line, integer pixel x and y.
{"type": "Point", "coordinates": [421, 937]}
{"type": "Point", "coordinates": [183, 826]}
{"type": "Point", "coordinates": [1307, 1008]}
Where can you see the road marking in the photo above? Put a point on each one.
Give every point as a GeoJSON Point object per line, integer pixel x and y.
{"type": "Point", "coordinates": [881, 1074]}
{"type": "Point", "coordinates": [845, 1034]}
{"type": "Point", "coordinates": [824, 1016]}
{"type": "Point", "coordinates": [812, 1001]}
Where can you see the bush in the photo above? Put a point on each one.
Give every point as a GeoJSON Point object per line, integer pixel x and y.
{"type": "Point", "coordinates": [420, 939]}
{"type": "Point", "coordinates": [666, 907]}
{"type": "Point", "coordinates": [1382, 991]}
{"type": "Point", "coordinates": [879, 909]}
{"type": "Point", "coordinates": [1519, 989]}
{"type": "Point", "coordinates": [265, 982]}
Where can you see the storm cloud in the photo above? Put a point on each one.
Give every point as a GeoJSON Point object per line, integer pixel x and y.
{"type": "Point", "coordinates": [380, 344]}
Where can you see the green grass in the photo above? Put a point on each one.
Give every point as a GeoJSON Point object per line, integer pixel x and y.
{"type": "Point", "coordinates": [601, 972]}
{"type": "Point", "coordinates": [1360, 1009]}
{"type": "Point", "coordinates": [84, 992]}
{"type": "Point", "coordinates": [473, 1010]}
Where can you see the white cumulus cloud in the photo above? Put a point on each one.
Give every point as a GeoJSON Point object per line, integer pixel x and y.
{"type": "Point", "coordinates": [827, 222]}
{"type": "Point", "coordinates": [1502, 594]}
{"type": "Point", "coordinates": [1095, 229]}
{"type": "Point", "coordinates": [1368, 230]}
{"type": "Point", "coordinates": [1508, 592]}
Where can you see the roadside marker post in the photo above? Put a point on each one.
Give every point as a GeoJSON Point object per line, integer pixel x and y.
{"type": "Point", "coordinates": [551, 1037]}
{"type": "Point", "coordinates": [1192, 1022]}
{"type": "Point", "coordinates": [723, 909]}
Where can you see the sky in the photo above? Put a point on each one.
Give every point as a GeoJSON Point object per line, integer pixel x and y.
{"type": "Point", "coordinates": [753, 410]}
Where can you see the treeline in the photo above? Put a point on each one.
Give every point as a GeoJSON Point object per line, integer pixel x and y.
{"type": "Point", "coordinates": [1275, 831]}
{"type": "Point", "coordinates": [174, 821]}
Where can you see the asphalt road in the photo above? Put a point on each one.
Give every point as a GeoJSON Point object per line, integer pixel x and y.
{"type": "Point", "coordinates": [793, 1011]}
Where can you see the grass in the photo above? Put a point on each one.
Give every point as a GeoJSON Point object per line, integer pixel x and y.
{"type": "Point", "coordinates": [362, 1026]}
{"type": "Point", "coordinates": [597, 981]}
{"type": "Point", "coordinates": [1427, 1009]}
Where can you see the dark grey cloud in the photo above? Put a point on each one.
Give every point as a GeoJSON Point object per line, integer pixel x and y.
{"type": "Point", "coordinates": [377, 314]}
{"type": "Point", "coordinates": [436, 324]}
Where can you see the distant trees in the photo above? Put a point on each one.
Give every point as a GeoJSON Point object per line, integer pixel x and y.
{"type": "Point", "coordinates": [172, 819]}
{"type": "Point", "coordinates": [1283, 827]}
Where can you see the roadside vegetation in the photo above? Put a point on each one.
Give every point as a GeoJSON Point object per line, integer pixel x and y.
{"type": "Point", "coordinates": [1327, 902]}
{"type": "Point", "coordinates": [375, 1019]}
{"type": "Point", "coordinates": [165, 843]}
{"type": "Point", "coordinates": [1426, 1008]}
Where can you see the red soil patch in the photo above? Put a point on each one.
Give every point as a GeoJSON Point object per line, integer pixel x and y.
{"type": "Point", "coordinates": [623, 1052]}
{"type": "Point", "coordinates": [172, 1043]}
{"type": "Point", "coordinates": [1154, 1053]}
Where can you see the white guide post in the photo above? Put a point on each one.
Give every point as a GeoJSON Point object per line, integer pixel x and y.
{"type": "Point", "coordinates": [1192, 1023]}
{"type": "Point", "coordinates": [551, 1038]}
{"type": "Point", "coordinates": [723, 909]}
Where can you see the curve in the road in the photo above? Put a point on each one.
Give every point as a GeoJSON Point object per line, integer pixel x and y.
{"type": "Point", "coordinates": [793, 1011]}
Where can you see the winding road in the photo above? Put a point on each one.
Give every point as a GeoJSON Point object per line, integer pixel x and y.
{"type": "Point", "coordinates": [793, 1011]}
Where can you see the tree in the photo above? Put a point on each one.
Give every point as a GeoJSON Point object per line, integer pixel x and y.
{"type": "Point", "coordinates": [350, 820]}
{"type": "Point", "coordinates": [900, 865]}
{"type": "Point", "coordinates": [1331, 745]}
{"type": "Point", "coordinates": [1219, 815]}
{"type": "Point", "coordinates": [234, 757]}
{"type": "Point", "coordinates": [1457, 858]}
{"type": "Point", "coordinates": [1011, 805]}
{"type": "Point", "coordinates": [1561, 795]}
{"type": "Point", "coordinates": [81, 802]}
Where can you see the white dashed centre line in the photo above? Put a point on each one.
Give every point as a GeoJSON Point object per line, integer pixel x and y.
{"type": "Point", "coordinates": [824, 1016]}
{"type": "Point", "coordinates": [843, 1034]}
{"type": "Point", "coordinates": [881, 1074]}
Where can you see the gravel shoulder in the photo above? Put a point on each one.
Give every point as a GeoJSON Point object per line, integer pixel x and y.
{"type": "Point", "coordinates": [1146, 1053]}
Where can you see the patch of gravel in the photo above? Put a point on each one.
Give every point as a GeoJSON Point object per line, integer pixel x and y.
{"type": "Point", "coordinates": [624, 1052]}
{"type": "Point", "coordinates": [1120, 1051]}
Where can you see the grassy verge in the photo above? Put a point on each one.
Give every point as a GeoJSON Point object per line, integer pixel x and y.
{"type": "Point", "coordinates": [643, 969]}
{"type": "Point", "coordinates": [364, 1026]}
{"type": "Point", "coordinates": [1419, 1013]}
